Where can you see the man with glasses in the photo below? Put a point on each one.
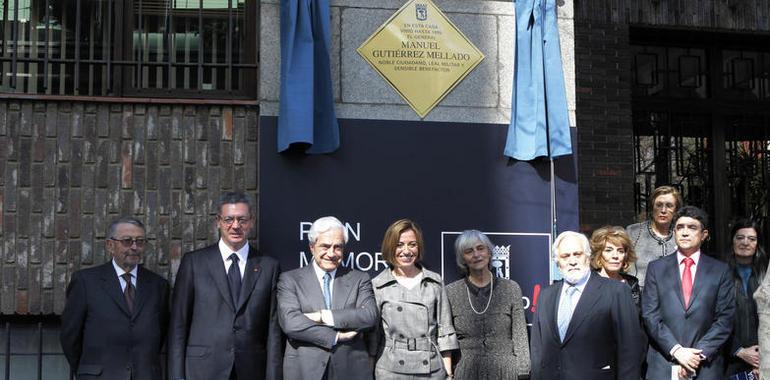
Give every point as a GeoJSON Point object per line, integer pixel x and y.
{"type": "Point", "coordinates": [223, 313]}
{"type": "Point", "coordinates": [114, 321]}
{"type": "Point", "coordinates": [324, 309]}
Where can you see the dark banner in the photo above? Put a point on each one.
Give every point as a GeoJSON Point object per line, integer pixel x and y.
{"type": "Point", "coordinates": [447, 177]}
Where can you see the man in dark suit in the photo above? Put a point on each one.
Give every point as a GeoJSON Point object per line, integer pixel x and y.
{"type": "Point", "coordinates": [223, 313]}
{"type": "Point", "coordinates": [324, 308]}
{"type": "Point", "coordinates": [688, 305]}
{"type": "Point", "coordinates": [586, 326]}
{"type": "Point", "coordinates": [114, 321]}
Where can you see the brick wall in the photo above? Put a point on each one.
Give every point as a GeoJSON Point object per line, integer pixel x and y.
{"type": "Point", "coordinates": [68, 168]}
{"type": "Point", "coordinates": [605, 132]}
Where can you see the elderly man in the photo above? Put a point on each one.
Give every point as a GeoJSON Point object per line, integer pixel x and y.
{"type": "Point", "coordinates": [586, 326]}
{"type": "Point", "coordinates": [223, 321]}
{"type": "Point", "coordinates": [324, 308]}
{"type": "Point", "coordinates": [688, 305]}
{"type": "Point", "coordinates": [114, 321]}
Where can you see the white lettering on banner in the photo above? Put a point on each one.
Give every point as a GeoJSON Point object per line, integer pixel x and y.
{"type": "Point", "coordinates": [527, 302]}
{"type": "Point", "coordinates": [364, 261]}
{"type": "Point", "coordinates": [304, 230]}
{"type": "Point", "coordinates": [354, 233]}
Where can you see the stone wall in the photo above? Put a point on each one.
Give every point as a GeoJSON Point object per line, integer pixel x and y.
{"type": "Point", "coordinates": [68, 168]}
{"type": "Point", "coordinates": [484, 96]}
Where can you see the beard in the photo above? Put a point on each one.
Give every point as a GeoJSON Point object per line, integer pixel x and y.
{"type": "Point", "coordinates": [573, 277]}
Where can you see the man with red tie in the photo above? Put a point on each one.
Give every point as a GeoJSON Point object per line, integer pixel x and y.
{"type": "Point", "coordinates": [688, 305]}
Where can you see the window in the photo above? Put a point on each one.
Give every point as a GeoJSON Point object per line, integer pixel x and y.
{"type": "Point", "coordinates": [164, 48]}
{"type": "Point", "coordinates": [29, 349]}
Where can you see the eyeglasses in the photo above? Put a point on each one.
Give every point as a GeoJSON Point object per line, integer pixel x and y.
{"type": "Point", "coordinates": [229, 221]}
{"type": "Point", "coordinates": [661, 205]}
{"type": "Point", "coordinates": [751, 239]}
{"type": "Point", "coordinates": [128, 242]}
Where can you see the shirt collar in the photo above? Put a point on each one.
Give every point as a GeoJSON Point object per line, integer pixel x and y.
{"type": "Point", "coordinates": [319, 273]}
{"type": "Point", "coordinates": [226, 251]}
{"type": "Point", "coordinates": [695, 257]}
{"type": "Point", "coordinates": [119, 271]}
{"type": "Point", "coordinates": [581, 284]}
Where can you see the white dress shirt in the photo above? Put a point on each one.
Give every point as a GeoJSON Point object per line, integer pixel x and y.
{"type": "Point", "coordinates": [119, 271]}
{"type": "Point", "coordinates": [694, 268]}
{"type": "Point", "coordinates": [242, 253]}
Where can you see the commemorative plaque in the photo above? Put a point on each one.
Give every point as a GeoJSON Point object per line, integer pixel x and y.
{"type": "Point", "coordinates": [421, 54]}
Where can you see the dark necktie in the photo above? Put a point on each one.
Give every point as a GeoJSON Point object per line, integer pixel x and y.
{"type": "Point", "coordinates": [234, 278]}
{"type": "Point", "coordinates": [129, 292]}
{"type": "Point", "coordinates": [687, 280]}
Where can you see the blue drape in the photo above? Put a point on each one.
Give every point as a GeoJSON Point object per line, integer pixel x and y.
{"type": "Point", "coordinates": [306, 113]}
{"type": "Point", "coordinates": [539, 118]}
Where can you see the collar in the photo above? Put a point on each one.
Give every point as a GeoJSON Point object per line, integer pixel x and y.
{"type": "Point", "coordinates": [695, 257]}
{"type": "Point", "coordinates": [226, 251]}
{"type": "Point", "coordinates": [119, 271]}
{"type": "Point", "coordinates": [580, 285]}
{"type": "Point", "coordinates": [319, 273]}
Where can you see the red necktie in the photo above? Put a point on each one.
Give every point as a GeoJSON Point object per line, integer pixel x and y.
{"type": "Point", "coordinates": [687, 280]}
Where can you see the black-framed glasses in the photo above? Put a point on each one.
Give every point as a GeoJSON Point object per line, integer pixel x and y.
{"type": "Point", "coordinates": [229, 220]}
{"type": "Point", "coordinates": [128, 242]}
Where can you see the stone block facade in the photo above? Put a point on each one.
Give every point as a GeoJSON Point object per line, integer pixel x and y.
{"type": "Point", "coordinates": [68, 168]}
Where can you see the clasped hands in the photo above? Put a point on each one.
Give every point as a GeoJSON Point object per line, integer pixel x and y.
{"type": "Point", "coordinates": [342, 336]}
{"type": "Point", "coordinates": [689, 359]}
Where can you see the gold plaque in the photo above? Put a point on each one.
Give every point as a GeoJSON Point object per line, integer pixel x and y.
{"type": "Point", "coordinates": [421, 54]}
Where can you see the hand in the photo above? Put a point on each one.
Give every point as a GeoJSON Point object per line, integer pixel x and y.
{"type": "Point", "coordinates": [688, 358]}
{"type": "Point", "coordinates": [345, 336]}
{"type": "Point", "coordinates": [749, 355]}
{"type": "Point", "coordinates": [755, 371]}
{"type": "Point", "coordinates": [682, 373]}
{"type": "Point", "coordinates": [314, 316]}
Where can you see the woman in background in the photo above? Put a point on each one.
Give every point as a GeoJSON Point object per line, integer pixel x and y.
{"type": "Point", "coordinates": [488, 315]}
{"type": "Point", "coordinates": [612, 255]}
{"type": "Point", "coordinates": [749, 264]}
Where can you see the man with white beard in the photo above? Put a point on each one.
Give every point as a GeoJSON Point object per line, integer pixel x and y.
{"type": "Point", "coordinates": [586, 326]}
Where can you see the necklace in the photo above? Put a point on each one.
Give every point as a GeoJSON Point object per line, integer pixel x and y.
{"type": "Point", "coordinates": [491, 288]}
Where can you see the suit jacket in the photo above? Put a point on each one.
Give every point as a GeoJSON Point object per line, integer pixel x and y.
{"type": "Point", "coordinates": [310, 347]}
{"type": "Point", "coordinates": [705, 324]}
{"type": "Point", "coordinates": [101, 339]}
{"type": "Point", "coordinates": [604, 339]}
{"type": "Point", "coordinates": [208, 335]}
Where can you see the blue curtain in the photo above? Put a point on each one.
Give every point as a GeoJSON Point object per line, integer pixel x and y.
{"type": "Point", "coordinates": [539, 118]}
{"type": "Point", "coordinates": [306, 113]}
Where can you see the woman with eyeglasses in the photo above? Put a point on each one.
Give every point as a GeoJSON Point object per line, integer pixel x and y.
{"type": "Point", "coordinates": [749, 264]}
{"type": "Point", "coordinates": [488, 315]}
{"type": "Point", "coordinates": [415, 337]}
{"type": "Point", "coordinates": [654, 238]}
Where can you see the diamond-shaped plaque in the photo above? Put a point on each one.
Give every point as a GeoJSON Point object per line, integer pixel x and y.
{"type": "Point", "coordinates": [421, 54]}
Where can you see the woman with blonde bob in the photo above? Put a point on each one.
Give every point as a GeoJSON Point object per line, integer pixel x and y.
{"type": "Point", "coordinates": [612, 254]}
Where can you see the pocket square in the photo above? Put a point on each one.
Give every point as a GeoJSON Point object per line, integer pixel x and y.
{"type": "Point", "coordinates": [606, 367]}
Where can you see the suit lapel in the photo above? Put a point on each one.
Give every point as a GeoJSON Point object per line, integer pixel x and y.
{"type": "Point", "coordinates": [702, 274]}
{"type": "Point", "coordinates": [250, 276]}
{"type": "Point", "coordinates": [590, 296]}
{"type": "Point", "coordinates": [216, 268]}
{"type": "Point", "coordinates": [312, 288]}
{"type": "Point", "coordinates": [552, 309]}
{"type": "Point", "coordinates": [111, 286]}
{"type": "Point", "coordinates": [671, 271]}
{"type": "Point", "coordinates": [341, 289]}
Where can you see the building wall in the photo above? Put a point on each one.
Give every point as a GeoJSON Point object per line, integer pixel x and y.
{"type": "Point", "coordinates": [68, 168]}
{"type": "Point", "coordinates": [603, 93]}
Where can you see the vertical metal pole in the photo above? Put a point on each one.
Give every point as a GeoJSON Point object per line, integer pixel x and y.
{"type": "Point", "coordinates": [15, 39]}
{"type": "Point", "coordinates": [76, 84]}
{"type": "Point", "coordinates": [200, 45]}
{"type": "Point", "coordinates": [46, 44]}
{"type": "Point", "coordinates": [7, 350]}
{"type": "Point", "coordinates": [109, 46]}
{"type": "Point", "coordinates": [229, 49]}
{"type": "Point", "coordinates": [40, 351]}
{"type": "Point", "coordinates": [2, 30]}
{"type": "Point", "coordinates": [141, 46]}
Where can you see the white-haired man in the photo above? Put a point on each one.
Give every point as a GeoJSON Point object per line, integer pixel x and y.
{"type": "Point", "coordinates": [324, 308]}
{"type": "Point", "coordinates": [586, 326]}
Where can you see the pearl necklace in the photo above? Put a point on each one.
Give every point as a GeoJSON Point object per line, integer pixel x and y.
{"type": "Point", "coordinates": [491, 289]}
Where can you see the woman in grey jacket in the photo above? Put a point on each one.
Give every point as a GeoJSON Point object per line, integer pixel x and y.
{"type": "Point", "coordinates": [415, 337]}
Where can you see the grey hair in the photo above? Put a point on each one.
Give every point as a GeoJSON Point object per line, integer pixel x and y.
{"type": "Point", "coordinates": [468, 239]}
{"type": "Point", "coordinates": [123, 220]}
{"type": "Point", "coordinates": [233, 197]}
{"type": "Point", "coordinates": [583, 242]}
{"type": "Point", "coordinates": [325, 224]}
